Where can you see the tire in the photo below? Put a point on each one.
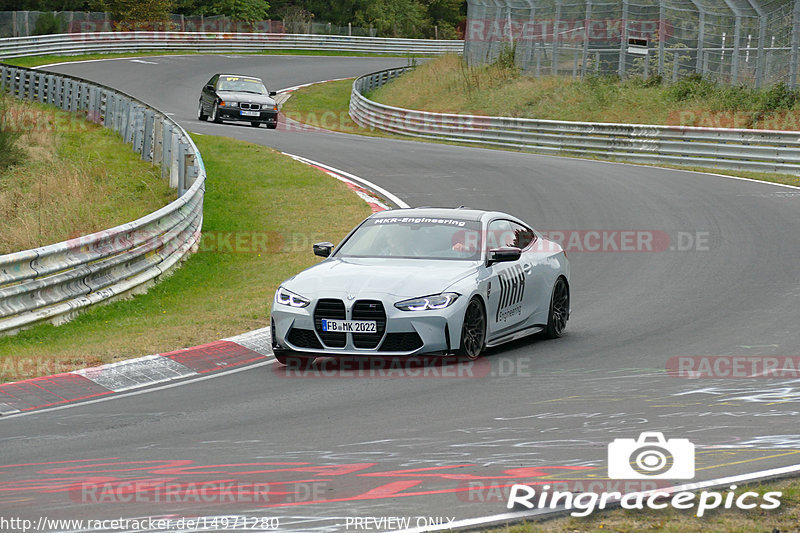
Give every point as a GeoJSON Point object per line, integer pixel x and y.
{"type": "Point", "coordinates": [255, 124]}
{"type": "Point", "coordinates": [272, 126]}
{"type": "Point", "coordinates": [200, 114]}
{"type": "Point", "coordinates": [473, 332]}
{"type": "Point", "coordinates": [215, 114]}
{"type": "Point", "coordinates": [294, 360]}
{"type": "Point", "coordinates": [559, 310]}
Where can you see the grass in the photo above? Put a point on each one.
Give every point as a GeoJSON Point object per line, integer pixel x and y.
{"type": "Point", "coordinates": [258, 229]}
{"type": "Point", "coordinates": [10, 152]}
{"type": "Point", "coordinates": [36, 61]}
{"type": "Point", "coordinates": [448, 85]}
{"type": "Point", "coordinates": [326, 105]}
{"type": "Point", "coordinates": [72, 178]}
{"type": "Point", "coordinates": [785, 519]}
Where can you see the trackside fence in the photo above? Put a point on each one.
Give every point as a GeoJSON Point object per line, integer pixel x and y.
{"type": "Point", "coordinates": [739, 149]}
{"type": "Point", "coordinates": [212, 42]}
{"type": "Point", "coordinates": [53, 283]}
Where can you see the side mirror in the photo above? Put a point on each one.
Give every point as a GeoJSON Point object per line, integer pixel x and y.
{"type": "Point", "coordinates": [323, 249]}
{"type": "Point", "coordinates": [503, 255]}
{"type": "Point", "coordinates": [210, 88]}
{"type": "Point", "coordinates": [272, 93]}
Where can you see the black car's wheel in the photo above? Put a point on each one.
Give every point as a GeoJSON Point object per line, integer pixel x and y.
{"type": "Point", "coordinates": [255, 124]}
{"type": "Point", "coordinates": [294, 360]}
{"type": "Point", "coordinates": [215, 113]}
{"type": "Point", "coordinates": [200, 113]}
{"type": "Point", "coordinates": [559, 310]}
{"type": "Point", "coordinates": [473, 332]}
{"type": "Point", "coordinates": [272, 126]}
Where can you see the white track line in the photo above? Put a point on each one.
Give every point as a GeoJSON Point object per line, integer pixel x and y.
{"type": "Point", "coordinates": [377, 188]}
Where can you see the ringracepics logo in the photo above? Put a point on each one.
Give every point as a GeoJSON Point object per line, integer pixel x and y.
{"type": "Point", "coordinates": [585, 503]}
{"type": "Point", "coordinates": [651, 457]}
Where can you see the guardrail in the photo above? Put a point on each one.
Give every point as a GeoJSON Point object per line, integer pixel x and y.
{"type": "Point", "coordinates": [79, 43]}
{"type": "Point", "coordinates": [739, 149]}
{"type": "Point", "coordinates": [53, 283]}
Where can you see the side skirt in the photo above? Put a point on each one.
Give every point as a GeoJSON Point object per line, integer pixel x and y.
{"type": "Point", "coordinates": [514, 336]}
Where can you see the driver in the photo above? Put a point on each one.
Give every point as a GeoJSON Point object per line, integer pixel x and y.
{"type": "Point", "coordinates": [465, 242]}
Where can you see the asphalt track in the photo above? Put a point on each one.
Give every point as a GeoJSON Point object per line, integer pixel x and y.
{"type": "Point", "coordinates": [331, 446]}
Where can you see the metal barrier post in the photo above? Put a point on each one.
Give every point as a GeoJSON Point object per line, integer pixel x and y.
{"type": "Point", "coordinates": [174, 171]}
{"type": "Point", "coordinates": [158, 141]}
{"type": "Point", "coordinates": [586, 23]}
{"type": "Point", "coordinates": [556, 26]}
{"type": "Point", "coordinates": [181, 160]}
{"type": "Point", "coordinates": [795, 45]}
{"type": "Point", "coordinates": [662, 15]}
{"type": "Point", "coordinates": [166, 151]}
{"type": "Point", "coordinates": [623, 39]}
{"type": "Point", "coordinates": [147, 141]}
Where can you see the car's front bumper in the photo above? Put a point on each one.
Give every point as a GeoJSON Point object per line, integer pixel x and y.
{"type": "Point", "coordinates": [266, 116]}
{"type": "Point", "coordinates": [403, 332]}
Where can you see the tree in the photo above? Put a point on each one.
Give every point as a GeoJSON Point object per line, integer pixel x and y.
{"type": "Point", "coordinates": [136, 13]}
{"type": "Point", "coordinates": [447, 15]}
{"type": "Point", "coordinates": [394, 18]}
{"type": "Point", "coordinates": [244, 10]}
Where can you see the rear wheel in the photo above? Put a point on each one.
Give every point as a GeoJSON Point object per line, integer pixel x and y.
{"type": "Point", "coordinates": [200, 113]}
{"type": "Point", "coordinates": [559, 310]}
{"type": "Point", "coordinates": [473, 332]}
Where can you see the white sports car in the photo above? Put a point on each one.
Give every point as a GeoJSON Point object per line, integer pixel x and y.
{"type": "Point", "coordinates": [423, 281]}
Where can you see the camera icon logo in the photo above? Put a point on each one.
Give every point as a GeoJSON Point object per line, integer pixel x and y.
{"type": "Point", "coordinates": [651, 457]}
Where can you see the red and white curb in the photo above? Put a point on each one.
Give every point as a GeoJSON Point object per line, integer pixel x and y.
{"type": "Point", "coordinates": [353, 182]}
{"type": "Point", "coordinates": [142, 372]}
{"type": "Point", "coordinates": [199, 361]}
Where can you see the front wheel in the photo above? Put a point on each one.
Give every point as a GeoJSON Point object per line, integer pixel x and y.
{"type": "Point", "coordinates": [255, 124]}
{"type": "Point", "coordinates": [215, 113]}
{"type": "Point", "coordinates": [559, 310]}
{"type": "Point", "coordinates": [473, 332]}
{"type": "Point", "coordinates": [272, 126]}
{"type": "Point", "coordinates": [200, 113]}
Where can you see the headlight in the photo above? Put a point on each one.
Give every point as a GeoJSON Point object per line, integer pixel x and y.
{"type": "Point", "coordinates": [223, 103]}
{"type": "Point", "coordinates": [291, 299]}
{"type": "Point", "coordinates": [437, 301]}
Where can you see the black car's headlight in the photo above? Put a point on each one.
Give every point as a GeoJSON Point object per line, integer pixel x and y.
{"type": "Point", "coordinates": [286, 297]}
{"type": "Point", "coordinates": [426, 303]}
{"type": "Point", "coordinates": [226, 103]}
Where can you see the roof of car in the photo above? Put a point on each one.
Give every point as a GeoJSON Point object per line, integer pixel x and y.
{"type": "Point", "coordinates": [434, 212]}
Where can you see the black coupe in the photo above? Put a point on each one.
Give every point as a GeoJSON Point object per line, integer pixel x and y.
{"type": "Point", "coordinates": [236, 97]}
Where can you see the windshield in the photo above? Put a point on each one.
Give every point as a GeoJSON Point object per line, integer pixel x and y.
{"type": "Point", "coordinates": [242, 85]}
{"type": "Point", "coordinates": [415, 238]}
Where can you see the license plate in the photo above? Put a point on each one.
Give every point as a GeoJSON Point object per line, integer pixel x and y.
{"type": "Point", "coordinates": [250, 113]}
{"type": "Point", "coordinates": [349, 326]}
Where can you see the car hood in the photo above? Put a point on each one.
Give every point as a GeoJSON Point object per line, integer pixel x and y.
{"type": "Point", "coordinates": [401, 278]}
{"type": "Point", "coordinates": [236, 96]}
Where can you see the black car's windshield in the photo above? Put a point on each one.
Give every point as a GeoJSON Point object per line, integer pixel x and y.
{"type": "Point", "coordinates": [241, 85]}
{"type": "Point", "coordinates": [415, 238]}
